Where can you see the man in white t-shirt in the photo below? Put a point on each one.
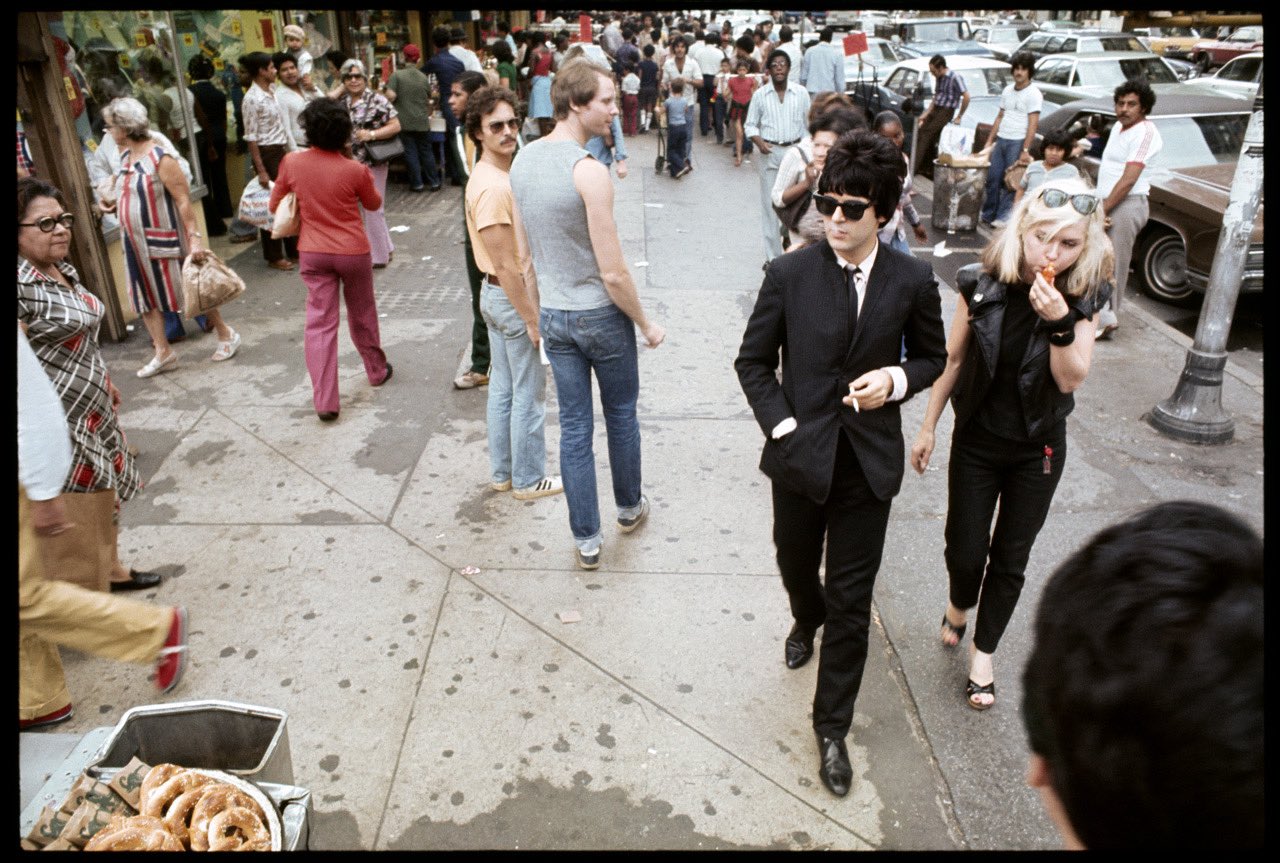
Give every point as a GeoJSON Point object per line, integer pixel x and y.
{"type": "Point", "coordinates": [1011, 136]}
{"type": "Point", "coordinates": [1124, 180]}
{"type": "Point", "coordinates": [458, 48]}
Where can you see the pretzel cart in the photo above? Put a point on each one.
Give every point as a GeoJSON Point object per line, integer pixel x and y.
{"type": "Point", "coordinates": [72, 788]}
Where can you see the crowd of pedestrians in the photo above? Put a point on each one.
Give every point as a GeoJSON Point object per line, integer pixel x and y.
{"type": "Point", "coordinates": [532, 138]}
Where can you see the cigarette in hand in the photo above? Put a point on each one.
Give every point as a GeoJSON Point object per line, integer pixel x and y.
{"type": "Point", "coordinates": [852, 398]}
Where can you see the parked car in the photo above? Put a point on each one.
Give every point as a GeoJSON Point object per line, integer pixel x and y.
{"type": "Point", "coordinates": [880, 54]}
{"type": "Point", "coordinates": [1002, 41]}
{"type": "Point", "coordinates": [1184, 69]}
{"type": "Point", "coordinates": [1042, 44]}
{"type": "Point", "coordinates": [1213, 53]}
{"type": "Point", "coordinates": [1173, 43]}
{"type": "Point", "coordinates": [1190, 189]}
{"type": "Point", "coordinates": [985, 78]}
{"type": "Point", "coordinates": [1239, 77]}
{"type": "Point", "coordinates": [1064, 77]}
{"type": "Point", "coordinates": [1060, 26]}
{"type": "Point", "coordinates": [924, 37]}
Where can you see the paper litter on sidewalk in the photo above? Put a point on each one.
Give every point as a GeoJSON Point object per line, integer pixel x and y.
{"type": "Point", "coordinates": [941, 250]}
{"type": "Point", "coordinates": [470, 570]}
{"type": "Point", "coordinates": [398, 229]}
{"type": "Point", "coordinates": [426, 257]}
{"type": "Point", "coordinates": [640, 264]}
{"type": "Point", "coordinates": [570, 616]}
{"type": "Point", "coordinates": [651, 204]}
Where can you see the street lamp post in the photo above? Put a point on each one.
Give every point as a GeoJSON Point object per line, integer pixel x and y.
{"type": "Point", "coordinates": [1194, 412]}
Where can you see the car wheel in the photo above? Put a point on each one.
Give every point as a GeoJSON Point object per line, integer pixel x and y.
{"type": "Point", "coordinates": [1162, 269]}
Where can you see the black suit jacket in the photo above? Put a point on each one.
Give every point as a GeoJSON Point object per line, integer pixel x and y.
{"type": "Point", "coordinates": [802, 314]}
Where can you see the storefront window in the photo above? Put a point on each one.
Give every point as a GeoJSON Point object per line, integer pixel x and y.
{"type": "Point", "coordinates": [376, 37]}
{"type": "Point", "coordinates": [321, 31]}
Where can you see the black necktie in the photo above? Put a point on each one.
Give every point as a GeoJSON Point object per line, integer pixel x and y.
{"type": "Point", "coordinates": [852, 274]}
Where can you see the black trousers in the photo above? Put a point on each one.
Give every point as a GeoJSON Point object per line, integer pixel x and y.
{"type": "Point", "coordinates": [853, 523]}
{"type": "Point", "coordinates": [275, 250]}
{"type": "Point", "coordinates": [927, 141]}
{"type": "Point", "coordinates": [479, 329]}
{"type": "Point", "coordinates": [707, 114]}
{"type": "Point", "coordinates": [986, 469]}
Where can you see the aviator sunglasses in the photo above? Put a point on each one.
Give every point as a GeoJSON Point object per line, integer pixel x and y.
{"type": "Point", "coordinates": [853, 210]}
{"type": "Point", "coordinates": [496, 126]}
{"type": "Point", "coordinates": [1083, 204]}
{"type": "Point", "coordinates": [48, 223]}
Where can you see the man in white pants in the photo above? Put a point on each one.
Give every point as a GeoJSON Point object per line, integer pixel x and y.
{"type": "Point", "coordinates": [1124, 182]}
{"type": "Point", "coordinates": [777, 118]}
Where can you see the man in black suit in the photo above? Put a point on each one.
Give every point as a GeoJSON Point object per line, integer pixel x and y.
{"type": "Point", "coordinates": [839, 313]}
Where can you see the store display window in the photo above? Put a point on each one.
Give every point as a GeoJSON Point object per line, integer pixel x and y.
{"type": "Point", "coordinates": [376, 36]}
{"type": "Point", "coordinates": [321, 35]}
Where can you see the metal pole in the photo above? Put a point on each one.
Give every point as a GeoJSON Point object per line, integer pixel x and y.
{"type": "Point", "coordinates": [1194, 412]}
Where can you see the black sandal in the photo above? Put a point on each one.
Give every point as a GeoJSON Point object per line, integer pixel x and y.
{"type": "Point", "coordinates": [971, 689]}
{"type": "Point", "coordinates": [958, 630]}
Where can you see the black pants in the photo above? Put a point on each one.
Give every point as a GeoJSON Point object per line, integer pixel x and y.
{"type": "Point", "coordinates": [927, 140]}
{"type": "Point", "coordinates": [217, 203]}
{"type": "Point", "coordinates": [985, 469]}
{"type": "Point", "coordinates": [707, 115]}
{"type": "Point", "coordinates": [853, 523]}
{"type": "Point", "coordinates": [275, 250]}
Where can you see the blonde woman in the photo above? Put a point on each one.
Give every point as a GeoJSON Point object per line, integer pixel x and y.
{"type": "Point", "coordinates": [1021, 343]}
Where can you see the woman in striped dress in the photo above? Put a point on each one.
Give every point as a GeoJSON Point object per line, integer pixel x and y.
{"type": "Point", "coordinates": [159, 228]}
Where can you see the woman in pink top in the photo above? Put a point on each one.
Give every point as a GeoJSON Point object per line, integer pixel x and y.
{"type": "Point", "coordinates": [330, 187]}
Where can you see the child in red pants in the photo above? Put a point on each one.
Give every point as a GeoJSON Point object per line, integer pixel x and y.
{"type": "Point", "coordinates": [630, 103]}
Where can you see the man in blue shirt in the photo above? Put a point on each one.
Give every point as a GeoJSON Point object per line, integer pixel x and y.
{"type": "Point", "coordinates": [822, 70]}
{"type": "Point", "coordinates": [446, 67]}
{"type": "Point", "coordinates": [949, 94]}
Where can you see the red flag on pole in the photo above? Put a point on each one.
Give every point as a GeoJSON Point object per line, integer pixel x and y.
{"type": "Point", "coordinates": [584, 28]}
{"type": "Point", "coordinates": [855, 43]}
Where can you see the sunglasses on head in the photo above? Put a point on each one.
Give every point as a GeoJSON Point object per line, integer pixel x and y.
{"type": "Point", "coordinates": [853, 210]}
{"type": "Point", "coordinates": [1084, 204]}
{"type": "Point", "coordinates": [48, 223]}
{"type": "Point", "coordinates": [496, 126]}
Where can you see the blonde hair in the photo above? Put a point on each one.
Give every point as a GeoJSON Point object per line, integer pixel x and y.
{"type": "Point", "coordinates": [576, 83]}
{"type": "Point", "coordinates": [1003, 257]}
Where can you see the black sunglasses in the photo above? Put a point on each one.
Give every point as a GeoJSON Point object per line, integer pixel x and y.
{"type": "Point", "coordinates": [1083, 204]}
{"type": "Point", "coordinates": [853, 210]}
{"type": "Point", "coordinates": [48, 223]}
{"type": "Point", "coordinates": [351, 75]}
{"type": "Point", "coordinates": [496, 126]}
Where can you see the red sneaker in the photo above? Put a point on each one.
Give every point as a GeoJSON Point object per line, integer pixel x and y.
{"type": "Point", "coordinates": [60, 715]}
{"type": "Point", "coordinates": [173, 656]}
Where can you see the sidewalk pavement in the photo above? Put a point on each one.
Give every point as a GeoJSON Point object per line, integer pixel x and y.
{"type": "Point", "coordinates": [361, 576]}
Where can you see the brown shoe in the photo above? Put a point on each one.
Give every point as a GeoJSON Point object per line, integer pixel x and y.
{"type": "Point", "coordinates": [470, 380]}
{"type": "Point", "coordinates": [282, 264]}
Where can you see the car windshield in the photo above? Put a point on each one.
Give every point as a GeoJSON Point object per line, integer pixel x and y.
{"type": "Point", "coordinates": [1006, 34]}
{"type": "Point", "coordinates": [1121, 43]}
{"type": "Point", "coordinates": [1200, 140]}
{"type": "Point", "coordinates": [935, 31]}
{"type": "Point", "coordinates": [979, 82]}
{"type": "Point", "coordinates": [1111, 73]}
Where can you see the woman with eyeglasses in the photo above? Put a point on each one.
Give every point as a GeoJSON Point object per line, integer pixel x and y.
{"type": "Point", "coordinates": [333, 248]}
{"type": "Point", "coordinates": [61, 318]}
{"type": "Point", "coordinates": [1021, 343]}
{"type": "Point", "coordinates": [152, 199]}
{"type": "Point", "coordinates": [373, 119]}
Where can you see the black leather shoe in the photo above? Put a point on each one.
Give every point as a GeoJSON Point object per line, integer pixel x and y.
{"type": "Point", "coordinates": [834, 766]}
{"type": "Point", "coordinates": [137, 581]}
{"type": "Point", "coordinates": [799, 645]}
{"type": "Point", "coordinates": [328, 416]}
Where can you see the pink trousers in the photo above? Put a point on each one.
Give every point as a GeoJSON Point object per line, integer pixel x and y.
{"type": "Point", "coordinates": [375, 221]}
{"type": "Point", "coordinates": [322, 273]}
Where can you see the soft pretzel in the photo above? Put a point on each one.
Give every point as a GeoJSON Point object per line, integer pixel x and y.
{"type": "Point", "coordinates": [158, 802]}
{"type": "Point", "coordinates": [139, 833]}
{"type": "Point", "coordinates": [178, 816]}
{"type": "Point", "coordinates": [238, 829]}
{"type": "Point", "coordinates": [156, 776]}
{"type": "Point", "coordinates": [216, 800]}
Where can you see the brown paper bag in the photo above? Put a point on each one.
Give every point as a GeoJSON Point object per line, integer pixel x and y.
{"type": "Point", "coordinates": [128, 782]}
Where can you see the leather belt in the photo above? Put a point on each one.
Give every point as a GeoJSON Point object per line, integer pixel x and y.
{"type": "Point", "coordinates": [493, 280]}
{"type": "Point", "coordinates": [781, 143]}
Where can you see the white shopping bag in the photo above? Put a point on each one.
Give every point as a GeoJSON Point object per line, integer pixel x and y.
{"type": "Point", "coordinates": [956, 140]}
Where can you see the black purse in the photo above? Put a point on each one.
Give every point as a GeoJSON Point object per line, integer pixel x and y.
{"type": "Point", "coordinates": [790, 214]}
{"type": "Point", "coordinates": [381, 152]}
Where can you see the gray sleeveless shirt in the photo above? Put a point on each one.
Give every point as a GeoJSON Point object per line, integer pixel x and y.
{"type": "Point", "coordinates": [555, 219]}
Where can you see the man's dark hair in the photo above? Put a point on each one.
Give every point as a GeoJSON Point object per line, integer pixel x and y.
{"type": "Point", "coordinates": [864, 164]}
{"type": "Point", "coordinates": [200, 67]}
{"type": "Point", "coordinates": [30, 188]}
{"type": "Point", "coordinates": [747, 44]}
{"type": "Point", "coordinates": [656, 36]}
{"type": "Point", "coordinates": [483, 101]}
{"type": "Point", "coordinates": [711, 37]}
{"type": "Point", "coordinates": [774, 55]}
{"type": "Point", "coordinates": [884, 120]}
{"type": "Point", "coordinates": [254, 62]}
{"type": "Point", "coordinates": [784, 34]}
{"type": "Point", "coordinates": [504, 26]}
{"type": "Point", "coordinates": [838, 120]}
{"type": "Point", "coordinates": [336, 57]}
{"type": "Point", "coordinates": [1060, 138]}
{"type": "Point", "coordinates": [649, 51]}
{"type": "Point", "coordinates": [327, 124]}
{"type": "Point", "coordinates": [456, 34]}
{"type": "Point", "coordinates": [825, 34]}
{"type": "Point", "coordinates": [628, 33]}
{"type": "Point", "coordinates": [282, 57]}
{"type": "Point", "coordinates": [938, 61]}
{"type": "Point", "coordinates": [440, 38]}
{"type": "Point", "coordinates": [1023, 60]}
{"type": "Point", "coordinates": [502, 51]}
{"type": "Point", "coordinates": [1144, 690]}
{"type": "Point", "coordinates": [470, 81]}
{"type": "Point", "coordinates": [1141, 89]}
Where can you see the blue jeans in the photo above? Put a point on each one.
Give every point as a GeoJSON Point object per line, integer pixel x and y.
{"type": "Point", "coordinates": [999, 200]}
{"type": "Point", "coordinates": [677, 152]}
{"type": "Point", "coordinates": [603, 340]}
{"type": "Point", "coordinates": [419, 158]}
{"type": "Point", "coordinates": [899, 242]}
{"type": "Point", "coordinates": [517, 407]}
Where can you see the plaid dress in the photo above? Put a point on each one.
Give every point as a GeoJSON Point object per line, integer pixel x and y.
{"type": "Point", "coordinates": [155, 241]}
{"type": "Point", "coordinates": [62, 326]}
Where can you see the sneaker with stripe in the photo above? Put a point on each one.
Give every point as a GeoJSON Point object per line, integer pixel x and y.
{"type": "Point", "coordinates": [544, 487]}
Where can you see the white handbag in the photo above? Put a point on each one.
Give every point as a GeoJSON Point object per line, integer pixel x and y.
{"type": "Point", "coordinates": [285, 222]}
